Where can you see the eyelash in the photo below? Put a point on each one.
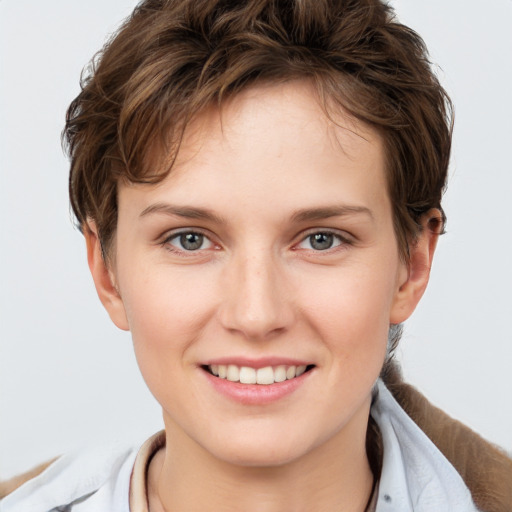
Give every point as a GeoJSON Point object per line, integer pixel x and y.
{"type": "Point", "coordinates": [166, 243]}
{"type": "Point", "coordinates": [340, 241]}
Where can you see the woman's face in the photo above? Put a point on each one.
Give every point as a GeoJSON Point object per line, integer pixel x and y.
{"type": "Point", "coordinates": [268, 249]}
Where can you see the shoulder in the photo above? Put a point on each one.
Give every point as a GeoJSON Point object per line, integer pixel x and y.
{"type": "Point", "coordinates": [95, 479]}
{"type": "Point", "coordinates": [484, 469]}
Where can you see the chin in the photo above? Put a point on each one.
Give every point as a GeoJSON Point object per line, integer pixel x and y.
{"type": "Point", "coordinates": [255, 449]}
{"type": "Point", "coordinates": [260, 456]}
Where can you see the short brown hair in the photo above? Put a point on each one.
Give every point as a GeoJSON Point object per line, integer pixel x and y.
{"type": "Point", "coordinates": [172, 58]}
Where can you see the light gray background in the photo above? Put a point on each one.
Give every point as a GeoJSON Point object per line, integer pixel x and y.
{"type": "Point", "coordinates": [68, 377]}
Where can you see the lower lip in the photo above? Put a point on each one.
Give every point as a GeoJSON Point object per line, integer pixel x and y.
{"type": "Point", "coordinates": [256, 394]}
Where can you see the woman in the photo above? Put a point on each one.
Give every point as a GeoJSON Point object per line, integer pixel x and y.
{"type": "Point", "coordinates": [259, 185]}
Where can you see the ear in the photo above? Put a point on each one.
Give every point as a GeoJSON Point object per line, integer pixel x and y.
{"type": "Point", "coordinates": [415, 274]}
{"type": "Point", "coordinates": [104, 278]}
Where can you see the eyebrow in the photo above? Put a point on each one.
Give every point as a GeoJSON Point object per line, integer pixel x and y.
{"type": "Point", "coordinates": [304, 215]}
{"type": "Point", "coordinates": [321, 213]}
{"type": "Point", "coordinates": [185, 212]}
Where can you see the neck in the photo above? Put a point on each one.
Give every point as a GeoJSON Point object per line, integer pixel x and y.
{"type": "Point", "coordinates": [333, 476]}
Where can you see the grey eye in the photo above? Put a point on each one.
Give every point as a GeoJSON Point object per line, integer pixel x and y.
{"type": "Point", "coordinates": [191, 241]}
{"type": "Point", "coordinates": [321, 241]}
{"type": "Point", "coordinates": [188, 241]}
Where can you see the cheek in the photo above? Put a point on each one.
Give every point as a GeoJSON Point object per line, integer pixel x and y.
{"type": "Point", "coordinates": [164, 322]}
{"type": "Point", "coordinates": [351, 307]}
{"type": "Point", "coordinates": [166, 312]}
{"type": "Point", "coordinates": [165, 299]}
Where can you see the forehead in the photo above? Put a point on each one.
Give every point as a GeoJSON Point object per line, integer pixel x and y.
{"type": "Point", "coordinates": [275, 144]}
{"type": "Point", "coordinates": [292, 111]}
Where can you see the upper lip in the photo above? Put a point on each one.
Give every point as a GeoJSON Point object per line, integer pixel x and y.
{"type": "Point", "coordinates": [256, 363]}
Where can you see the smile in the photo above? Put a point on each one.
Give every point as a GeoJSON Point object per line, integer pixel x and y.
{"type": "Point", "coordinates": [264, 376]}
{"type": "Point", "coordinates": [257, 382]}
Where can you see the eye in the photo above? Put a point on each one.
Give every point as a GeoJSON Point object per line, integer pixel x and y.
{"type": "Point", "coordinates": [321, 241]}
{"type": "Point", "coordinates": [189, 241]}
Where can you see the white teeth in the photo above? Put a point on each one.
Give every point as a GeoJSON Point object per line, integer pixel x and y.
{"type": "Point", "coordinates": [265, 376]}
{"type": "Point", "coordinates": [280, 374]}
{"type": "Point", "coordinates": [300, 370]}
{"type": "Point", "coordinates": [247, 375]}
{"type": "Point", "coordinates": [233, 373]}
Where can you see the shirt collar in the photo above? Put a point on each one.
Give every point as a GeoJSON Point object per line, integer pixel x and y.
{"type": "Point", "coordinates": [138, 479]}
{"type": "Point", "coordinates": [415, 474]}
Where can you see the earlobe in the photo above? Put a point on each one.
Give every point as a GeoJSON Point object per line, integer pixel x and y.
{"type": "Point", "coordinates": [104, 279]}
{"type": "Point", "coordinates": [415, 275]}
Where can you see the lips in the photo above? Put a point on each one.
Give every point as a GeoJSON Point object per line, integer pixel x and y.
{"type": "Point", "coordinates": [265, 376]}
{"type": "Point", "coordinates": [257, 382]}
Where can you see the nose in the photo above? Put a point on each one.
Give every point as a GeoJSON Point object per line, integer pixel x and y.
{"type": "Point", "coordinates": [257, 302]}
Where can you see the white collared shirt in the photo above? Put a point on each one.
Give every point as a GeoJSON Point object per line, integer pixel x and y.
{"type": "Point", "coordinates": [416, 477]}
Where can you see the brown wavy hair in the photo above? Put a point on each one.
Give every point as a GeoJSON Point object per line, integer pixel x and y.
{"type": "Point", "coordinates": [172, 58]}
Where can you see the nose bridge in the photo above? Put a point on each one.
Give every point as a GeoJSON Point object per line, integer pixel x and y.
{"type": "Point", "coordinates": [255, 303]}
